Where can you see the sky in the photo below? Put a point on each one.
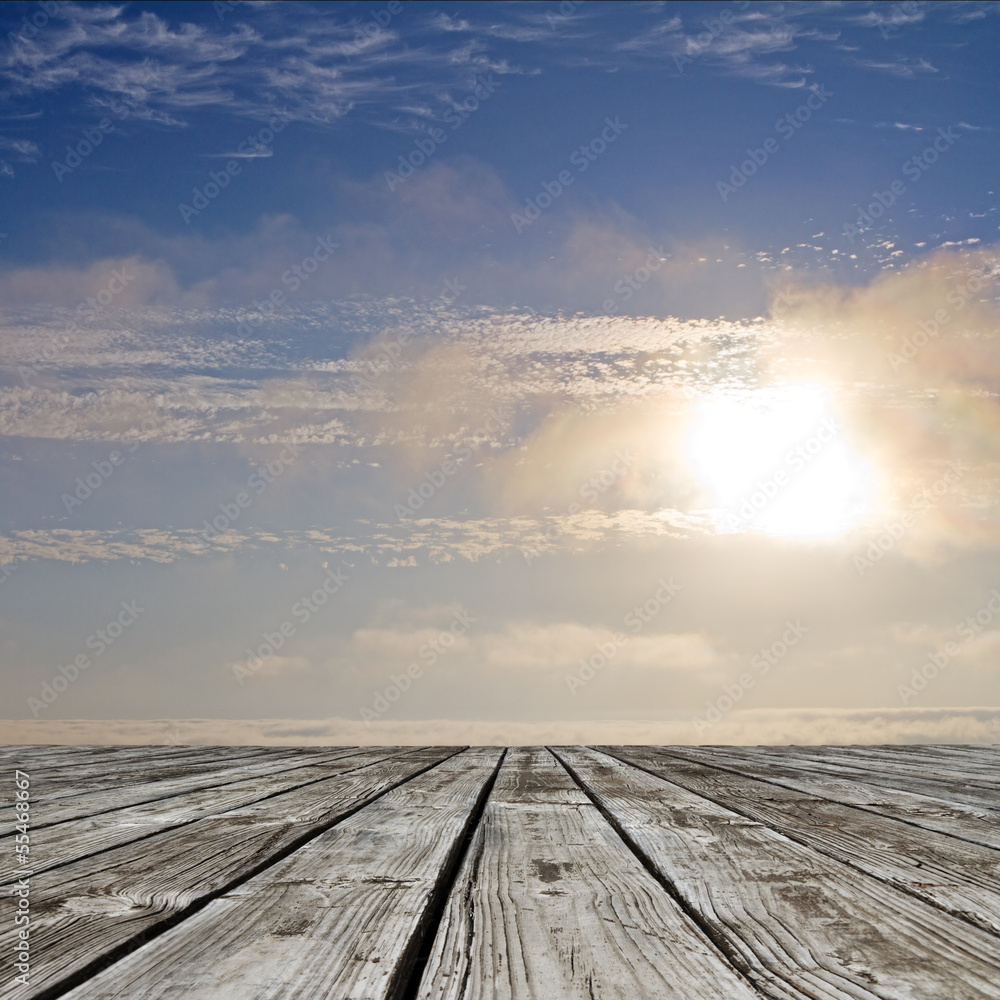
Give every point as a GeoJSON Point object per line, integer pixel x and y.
{"type": "Point", "coordinates": [506, 372]}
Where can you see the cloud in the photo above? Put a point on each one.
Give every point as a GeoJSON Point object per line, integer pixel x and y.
{"type": "Point", "coordinates": [272, 666]}
{"type": "Point", "coordinates": [906, 67]}
{"type": "Point", "coordinates": [558, 647]}
{"type": "Point", "coordinates": [400, 386]}
{"type": "Point", "coordinates": [423, 541]}
{"type": "Point", "coordinates": [22, 150]}
{"type": "Point", "coordinates": [314, 67]}
{"type": "Point", "coordinates": [445, 233]}
{"type": "Point", "coordinates": [802, 727]}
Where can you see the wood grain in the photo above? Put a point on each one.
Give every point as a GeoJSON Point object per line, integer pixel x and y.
{"type": "Point", "coordinates": [922, 781]}
{"type": "Point", "coordinates": [551, 905]}
{"type": "Point", "coordinates": [801, 924]}
{"type": "Point", "coordinates": [58, 844]}
{"type": "Point", "coordinates": [961, 878]}
{"type": "Point", "coordinates": [338, 918]}
{"type": "Point", "coordinates": [974, 824]}
{"type": "Point", "coordinates": [90, 908]}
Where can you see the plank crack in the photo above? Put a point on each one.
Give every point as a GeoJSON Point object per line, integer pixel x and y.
{"type": "Point", "coordinates": [711, 933]}
{"type": "Point", "coordinates": [900, 884]}
{"type": "Point", "coordinates": [410, 970]}
{"type": "Point", "coordinates": [126, 948]}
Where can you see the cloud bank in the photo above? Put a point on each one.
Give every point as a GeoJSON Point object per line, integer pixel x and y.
{"type": "Point", "coordinates": [801, 727]}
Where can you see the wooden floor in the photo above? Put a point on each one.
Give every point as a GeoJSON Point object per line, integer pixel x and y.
{"type": "Point", "coordinates": [440, 873]}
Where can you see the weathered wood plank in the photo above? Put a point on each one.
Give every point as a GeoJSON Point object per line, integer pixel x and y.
{"type": "Point", "coordinates": [89, 909]}
{"type": "Point", "coordinates": [60, 843]}
{"type": "Point", "coordinates": [905, 763]}
{"type": "Point", "coordinates": [73, 796]}
{"type": "Point", "coordinates": [99, 770]}
{"type": "Point", "coordinates": [885, 764]}
{"type": "Point", "coordinates": [551, 905]}
{"type": "Point", "coordinates": [982, 759]}
{"type": "Point", "coordinates": [156, 783]}
{"type": "Point", "coordinates": [800, 924]}
{"type": "Point", "coordinates": [884, 777]}
{"type": "Point", "coordinates": [961, 878]}
{"type": "Point", "coordinates": [974, 824]}
{"type": "Point", "coordinates": [67, 781]}
{"type": "Point", "coordinates": [340, 918]}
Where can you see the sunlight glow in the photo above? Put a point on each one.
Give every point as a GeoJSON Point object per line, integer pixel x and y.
{"type": "Point", "coordinates": [779, 463]}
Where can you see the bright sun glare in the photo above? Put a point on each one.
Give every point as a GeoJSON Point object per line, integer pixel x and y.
{"type": "Point", "coordinates": [779, 463]}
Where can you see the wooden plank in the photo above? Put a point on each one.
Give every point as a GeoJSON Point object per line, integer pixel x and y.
{"type": "Point", "coordinates": [878, 779]}
{"type": "Point", "coordinates": [985, 760]}
{"type": "Point", "coordinates": [340, 918]}
{"type": "Point", "coordinates": [100, 764]}
{"type": "Point", "coordinates": [67, 788]}
{"type": "Point", "coordinates": [60, 843]}
{"type": "Point", "coordinates": [800, 924]}
{"type": "Point", "coordinates": [890, 767]}
{"type": "Point", "coordinates": [103, 769]}
{"type": "Point", "coordinates": [961, 878]}
{"type": "Point", "coordinates": [79, 794]}
{"type": "Point", "coordinates": [906, 762]}
{"type": "Point", "coordinates": [978, 826]}
{"type": "Point", "coordinates": [157, 783]}
{"type": "Point", "coordinates": [90, 909]}
{"type": "Point", "coordinates": [18, 755]}
{"type": "Point", "coordinates": [66, 781]}
{"type": "Point", "coordinates": [550, 904]}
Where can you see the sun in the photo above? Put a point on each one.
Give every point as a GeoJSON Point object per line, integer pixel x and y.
{"type": "Point", "coordinates": [779, 462]}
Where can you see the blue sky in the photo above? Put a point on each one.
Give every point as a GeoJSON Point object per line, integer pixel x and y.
{"type": "Point", "coordinates": [524, 303]}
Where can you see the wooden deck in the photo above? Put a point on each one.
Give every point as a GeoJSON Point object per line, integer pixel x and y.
{"type": "Point", "coordinates": [564, 873]}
